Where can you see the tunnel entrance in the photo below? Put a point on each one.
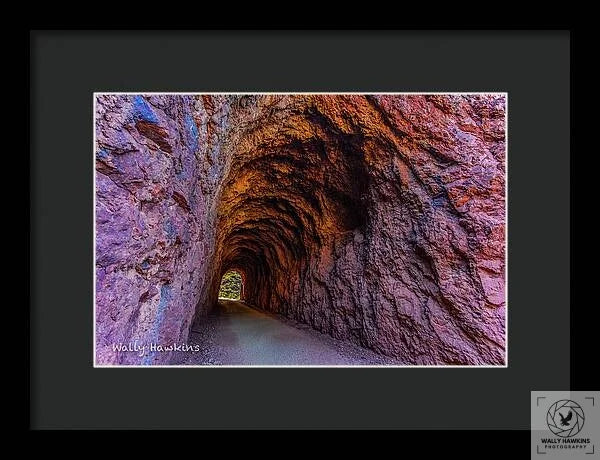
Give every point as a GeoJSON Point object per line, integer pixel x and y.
{"type": "Point", "coordinates": [232, 286]}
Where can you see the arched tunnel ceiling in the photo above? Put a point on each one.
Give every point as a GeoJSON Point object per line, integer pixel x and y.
{"type": "Point", "coordinates": [298, 184]}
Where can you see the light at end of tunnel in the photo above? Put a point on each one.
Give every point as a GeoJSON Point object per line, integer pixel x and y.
{"type": "Point", "coordinates": [232, 287]}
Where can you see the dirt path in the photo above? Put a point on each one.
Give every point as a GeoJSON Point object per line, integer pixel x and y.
{"type": "Point", "coordinates": [239, 335]}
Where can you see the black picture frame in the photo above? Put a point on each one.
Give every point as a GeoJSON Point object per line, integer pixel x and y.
{"type": "Point", "coordinates": [67, 67]}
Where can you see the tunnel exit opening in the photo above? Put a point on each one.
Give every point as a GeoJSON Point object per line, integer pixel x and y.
{"type": "Point", "coordinates": [232, 286]}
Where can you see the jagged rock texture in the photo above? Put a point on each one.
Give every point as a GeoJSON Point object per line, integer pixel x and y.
{"type": "Point", "coordinates": [378, 219]}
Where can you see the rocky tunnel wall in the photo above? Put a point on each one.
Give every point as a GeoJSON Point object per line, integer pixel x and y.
{"type": "Point", "coordinates": [376, 219]}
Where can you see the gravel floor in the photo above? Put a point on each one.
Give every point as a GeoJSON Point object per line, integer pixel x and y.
{"type": "Point", "coordinates": [239, 335]}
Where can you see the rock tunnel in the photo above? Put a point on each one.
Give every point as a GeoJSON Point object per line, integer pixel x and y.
{"type": "Point", "coordinates": [376, 219]}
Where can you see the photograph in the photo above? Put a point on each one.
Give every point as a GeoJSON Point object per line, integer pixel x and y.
{"type": "Point", "coordinates": [300, 229]}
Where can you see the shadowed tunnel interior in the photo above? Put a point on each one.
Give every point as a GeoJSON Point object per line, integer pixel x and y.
{"type": "Point", "coordinates": [280, 206]}
{"type": "Point", "coordinates": [375, 219]}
